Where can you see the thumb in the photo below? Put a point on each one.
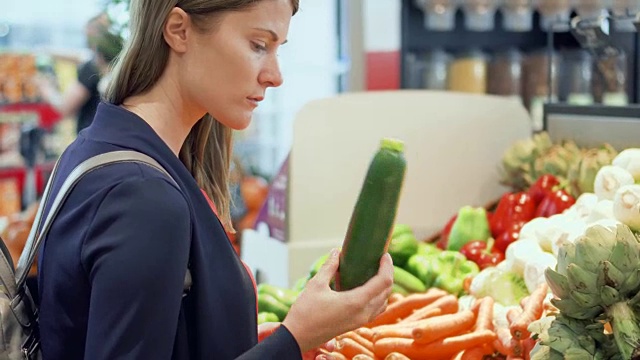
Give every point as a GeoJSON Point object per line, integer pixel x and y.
{"type": "Point", "coordinates": [329, 268]}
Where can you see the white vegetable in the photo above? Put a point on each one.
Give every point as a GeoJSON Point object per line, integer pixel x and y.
{"type": "Point", "coordinates": [535, 268]}
{"type": "Point", "coordinates": [629, 159]}
{"type": "Point", "coordinates": [571, 232]}
{"type": "Point", "coordinates": [506, 288]}
{"type": "Point", "coordinates": [543, 230]}
{"type": "Point", "coordinates": [520, 252]}
{"type": "Point", "coordinates": [604, 210]}
{"type": "Point", "coordinates": [585, 203]}
{"type": "Point", "coordinates": [505, 265]}
{"type": "Point", "coordinates": [609, 179]}
{"type": "Point", "coordinates": [626, 206]}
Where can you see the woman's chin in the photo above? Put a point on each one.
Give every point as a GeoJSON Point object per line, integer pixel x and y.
{"type": "Point", "coordinates": [237, 123]}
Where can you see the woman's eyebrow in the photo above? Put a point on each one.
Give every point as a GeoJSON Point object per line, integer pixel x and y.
{"type": "Point", "coordinates": [273, 34]}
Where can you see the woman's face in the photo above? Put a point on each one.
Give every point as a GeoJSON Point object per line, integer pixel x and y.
{"type": "Point", "coordinates": [227, 71]}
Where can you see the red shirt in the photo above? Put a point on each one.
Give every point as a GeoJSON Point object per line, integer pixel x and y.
{"type": "Point", "coordinates": [215, 211]}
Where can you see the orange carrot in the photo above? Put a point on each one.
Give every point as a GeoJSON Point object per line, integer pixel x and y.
{"type": "Point", "coordinates": [517, 347]}
{"type": "Point", "coordinates": [440, 349]}
{"type": "Point", "coordinates": [393, 332]}
{"type": "Point", "coordinates": [365, 332]}
{"type": "Point", "coordinates": [448, 304]}
{"type": "Point", "coordinates": [458, 356]}
{"type": "Point", "coordinates": [531, 312]}
{"type": "Point", "coordinates": [513, 314]}
{"type": "Point", "coordinates": [394, 298]}
{"type": "Point", "coordinates": [396, 356]}
{"type": "Point", "coordinates": [523, 301]}
{"type": "Point", "coordinates": [466, 284]}
{"type": "Point", "coordinates": [443, 326]}
{"type": "Point", "coordinates": [514, 358]}
{"type": "Point", "coordinates": [527, 346]}
{"type": "Point", "coordinates": [475, 353]}
{"type": "Point", "coordinates": [484, 317]}
{"type": "Point", "coordinates": [362, 357]}
{"type": "Point", "coordinates": [350, 348]}
{"type": "Point", "coordinates": [504, 343]}
{"type": "Point", "coordinates": [357, 338]}
{"type": "Point", "coordinates": [332, 355]}
{"type": "Point", "coordinates": [409, 324]}
{"type": "Point", "coordinates": [424, 313]}
{"type": "Point", "coordinates": [475, 306]}
{"type": "Point", "coordinates": [404, 307]}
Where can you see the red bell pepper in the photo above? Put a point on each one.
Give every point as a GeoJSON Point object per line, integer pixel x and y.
{"type": "Point", "coordinates": [511, 234]}
{"type": "Point", "coordinates": [482, 253]}
{"type": "Point", "coordinates": [512, 207]}
{"type": "Point", "coordinates": [543, 186]}
{"type": "Point", "coordinates": [444, 235]}
{"type": "Point", "coordinates": [555, 203]}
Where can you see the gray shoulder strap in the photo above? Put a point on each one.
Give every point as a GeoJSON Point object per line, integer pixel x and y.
{"type": "Point", "coordinates": [39, 230]}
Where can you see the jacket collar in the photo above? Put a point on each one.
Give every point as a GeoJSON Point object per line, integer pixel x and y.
{"type": "Point", "coordinates": [120, 127]}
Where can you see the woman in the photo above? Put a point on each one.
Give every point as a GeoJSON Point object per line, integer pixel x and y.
{"type": "Point", "coordinates": [112, 268]}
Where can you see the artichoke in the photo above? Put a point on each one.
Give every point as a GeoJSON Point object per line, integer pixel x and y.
{"type": "Point", "coordinates": [582, 174]}
{"type": "Point", "coordinates": [567, 338]}
{"type": "Point", "coordinates": [597, 279]}
{"type": "Point", "coordinates": [518, 161]}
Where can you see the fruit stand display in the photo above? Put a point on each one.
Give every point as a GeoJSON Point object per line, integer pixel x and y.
{"type": "Point", "coordinates": [549, 270]}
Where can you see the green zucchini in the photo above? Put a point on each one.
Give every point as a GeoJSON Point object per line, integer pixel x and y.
{"type": "Point", "coordinates": [285, 296]}
{"type": "Point", "coordinates": [407, 280]}
{"type": "Point", "coordinates": [268, 303]}
{"type": "Point", "coordinates": [373, 216]}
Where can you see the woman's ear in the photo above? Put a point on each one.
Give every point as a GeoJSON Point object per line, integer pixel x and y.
{"type": "Point", "coordinates": [176, 29]}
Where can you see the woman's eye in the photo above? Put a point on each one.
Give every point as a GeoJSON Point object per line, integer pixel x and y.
{"type": "Point", "coordinates": [259, 46]}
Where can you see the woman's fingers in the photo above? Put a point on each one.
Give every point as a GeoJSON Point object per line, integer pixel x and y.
{"type": "Point", "coordinates": [380, 283]}
{"type": "Point", "coordinates": [328, 269]}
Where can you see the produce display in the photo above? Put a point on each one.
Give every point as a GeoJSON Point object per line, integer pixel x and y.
{"type": "Point", "coordinates": [551, 270]}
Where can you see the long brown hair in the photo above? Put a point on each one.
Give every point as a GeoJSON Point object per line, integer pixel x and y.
{"type": "Point", "coordinates": [206, 152]}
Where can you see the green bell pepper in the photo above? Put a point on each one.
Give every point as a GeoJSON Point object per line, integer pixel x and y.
{"type": "Point", "coordinates": [402, 247]}
{"type": "Point", "coordinates": [401, 229]}
{"type": "Point", "coordinates": [452, 268]}
{"type": "Point", "coordinates": [470, 225]}
{"type": "Point", "coordinates": [428, 249]}
{"type": "Point", "coordinates": [419, 265]}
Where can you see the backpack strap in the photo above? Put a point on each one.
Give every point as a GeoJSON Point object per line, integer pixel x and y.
{"type": "Point", "coordinates": [39, 232]}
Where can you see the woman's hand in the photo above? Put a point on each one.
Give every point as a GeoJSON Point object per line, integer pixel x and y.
{"type": "Point", "coordinates": [321, 314]}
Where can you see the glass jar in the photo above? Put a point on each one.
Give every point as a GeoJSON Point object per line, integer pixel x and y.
{"type": "Point", "coordinates": [517, 15]}
{"type": "Point", "coordinates": [590, 9]}
{"type": "Point", "coordinates": [436, 70]}
{"type": "Point", "coordinates": [537, 90]}
{"type": "Point", "coordinates": [439, 15]}
{"type": "Point", "coordinates": [610, 80]}
{"type": "Point", "coordinates": [468, 73]}
{"type": "Point", "coordinates": [414, 67]}
{"type": "Point", "coordinates": [625, 12]}
{"type": "Point", "coordinates": [479, 15]}
{"type": "Point", "coordinates": [505, 74]}
{"type": "Point", "coordinates": [579, 76]}
{"type": "Point", "coordinates": [555, 14]}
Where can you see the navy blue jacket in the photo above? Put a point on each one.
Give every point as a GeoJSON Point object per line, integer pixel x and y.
{"type": "Point", "coordinates": [111, 271]}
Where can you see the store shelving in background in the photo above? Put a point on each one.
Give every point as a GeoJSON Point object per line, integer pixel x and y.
{"type": "Point", "coordinates": [503, 48]}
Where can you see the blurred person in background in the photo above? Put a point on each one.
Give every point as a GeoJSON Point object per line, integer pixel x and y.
{"type": "Point", "coordinates": [81, 98]}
